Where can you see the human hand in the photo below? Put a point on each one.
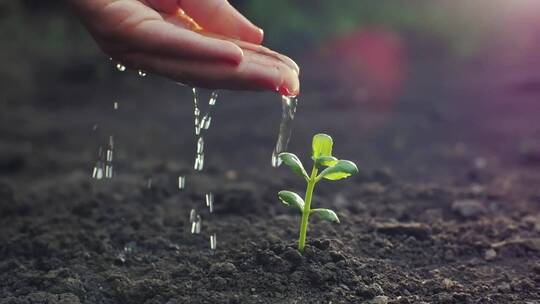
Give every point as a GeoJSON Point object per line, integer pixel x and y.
{"type": "Point", "coordinates": [218, 48]}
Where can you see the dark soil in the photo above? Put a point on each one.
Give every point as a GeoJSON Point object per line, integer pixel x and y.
{"type": "Point", "coordinates": [437, 214]}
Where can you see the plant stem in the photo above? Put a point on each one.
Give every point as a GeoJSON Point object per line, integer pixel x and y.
{"type": "Point", "coordinates": [307, 209]}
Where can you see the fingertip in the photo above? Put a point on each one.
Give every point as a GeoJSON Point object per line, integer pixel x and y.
{"type": "Point", "coordinates": [290, 86]}
{"type": "Point", "coordinates": [236, 54]}
{"type": "Point", "coordinates": [258, 35]}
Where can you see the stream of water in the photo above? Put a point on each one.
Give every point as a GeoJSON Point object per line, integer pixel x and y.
{"type": "Point", "coordinates": [288, 107]}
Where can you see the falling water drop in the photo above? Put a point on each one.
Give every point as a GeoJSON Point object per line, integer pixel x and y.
{"type": "Point", "coordinates": [115, 105]}
{"type": "Point", "coordinates": [181, 182]}
{"type": "Point", "coordinates": [199, 162]}
{"type": "Point", "coordinates": [213, 241]}
{"type": "Point", "coordinates": [285, 128]}
{"type": "Point", "coordinates": [210, 202]}
{"type": "Point", "coordinates": [200, 145]}
{"type": "Point", "coordinates": [98, 171]}
{"type": "Point", "coordinates": [120, 67]}
{"type": "Point", "coordinates": [142, 73]}
{"type": "Point", "coordinates": [149, 183]}
{"type": "Point", "coordinates": [196, 225]}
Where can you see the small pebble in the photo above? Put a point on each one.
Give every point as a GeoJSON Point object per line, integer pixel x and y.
{"type": "Point", "coordinates": [468, 208]}
{"type": "Point", "coordinates": [225, 269]}
{"type": "Point", "coordinates": [490, 254]}
{"type": "Point", "coordinates": [380, 300]}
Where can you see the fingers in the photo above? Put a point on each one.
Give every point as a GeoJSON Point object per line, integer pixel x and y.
{"type": "Point", "coordinates": [268, 52]}
{"type": "Point", "coordinates": [218, 16]}
{"type": "Point", "coordinates": [156, 36]}
{"type": "Point", "coordinates": [256, 48]}
{"type": "Point", "coordinates": [255, 72]}
{"type": "Point", "coordinates": [131, 26]}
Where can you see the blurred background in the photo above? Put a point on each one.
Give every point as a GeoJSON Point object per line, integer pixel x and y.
{"type": "Point", "coordinates": [425, 89]}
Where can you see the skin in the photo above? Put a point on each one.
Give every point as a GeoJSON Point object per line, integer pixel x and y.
{"type": "Point", "coordinates": [203, 43]}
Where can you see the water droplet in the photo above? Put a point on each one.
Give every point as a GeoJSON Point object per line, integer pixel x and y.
{"type": "Point", "coordinates": [181, 182]}
{"type": "Point", "coordinates": [109, 155]}
{"type": "Point", "coordinates": [95, 127]}
{"type": "Point", "coordinates": [213, 241]}
{"type": "Point", "coordinates": [285, 128]}
{"type": "Point", "coordinates": [130, 247]}
{"type": "Point", "coordinates": [97, 173]}
{"type": "Point", "coordinates": [149, 183]}
{"type": "Point", "coordinates": [142, 73]}
{"type": "Point", "coordinates": [213, 99]}
{"type": "Point", "coordinates": [99, 170]}
{"type": "Point", "coordinates": [115, 105]}
{"type": "Point", "coordinates": [196, 225]}
{"type": "Point", "coordinates": [199, 162]}
{"type": "Point", "coordinates": [121, 257]}
{"type": "Point", "coordinates": [108, 171]}
{"type": "Point", "coordinates": [206, 123]}
{"type": "Point", "coordinates": [192, 215]}
{"type": "Point", "coordinates": [200, 145]}
{"type": "Point", "coordinates": [120, 67]}
{"type": "Point", "coordinates": [210, 202]}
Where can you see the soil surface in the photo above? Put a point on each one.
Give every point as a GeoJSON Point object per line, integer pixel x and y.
{"type": "Point", "coordinates": [446, 208]}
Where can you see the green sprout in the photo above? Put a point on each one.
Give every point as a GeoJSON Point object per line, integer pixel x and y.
{"type": "Point", "coordinates": [331, 168]}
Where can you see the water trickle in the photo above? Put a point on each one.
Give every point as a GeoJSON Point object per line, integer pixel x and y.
{"type": "Point", "coordinates": [142, 73]}
{"type": "Point", "coordinates": [210, 202]}
{"type": "Point", "coordinates": [181, 182]}
{"type": "Point", "coordinates": [120, 67]}
{"type": "Point", "coordinates": [288, 106]}
{"type": "Point", "coordinates": [103, 168]}
{"type": "Point", "coordinates": [213, 241]}
{"type": "Point", "coordinates": [202, 122]}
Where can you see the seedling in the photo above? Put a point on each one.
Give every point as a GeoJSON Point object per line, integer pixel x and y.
{"type": "Point", "coordinates": [331, 168]}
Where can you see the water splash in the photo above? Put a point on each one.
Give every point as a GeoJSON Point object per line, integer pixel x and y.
{"type": "Point", "coordinates": [288, 106]}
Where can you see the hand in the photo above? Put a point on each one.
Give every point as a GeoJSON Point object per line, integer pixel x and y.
{"type": "Point", "coordinates": [218, 48]}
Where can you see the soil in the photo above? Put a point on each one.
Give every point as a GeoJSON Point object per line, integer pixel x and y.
{"type": "Point", "coordinates": [446, 208]}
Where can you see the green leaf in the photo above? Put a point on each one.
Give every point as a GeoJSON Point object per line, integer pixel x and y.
{"type": "Point", "coordinates": [343, 169]}
{"type": "Point", "coordinates": [327, 161]}
{"type": "Point", "coordinates": [294, 163]}
{"type": "Point", "coordinates": [322, 145]}
{"type": "Point", "coordinates": [326, 214]}
{"type": "Point", "coordinates": [291, 199]}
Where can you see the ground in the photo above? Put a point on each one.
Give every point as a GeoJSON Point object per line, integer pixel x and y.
{"type": "Point", "coordinates": [445, 209]}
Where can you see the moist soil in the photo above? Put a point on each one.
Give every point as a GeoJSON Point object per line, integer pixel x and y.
{"type": "Point", "coordinates": [436, 215]}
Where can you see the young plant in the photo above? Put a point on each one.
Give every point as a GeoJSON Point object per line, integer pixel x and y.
{"type": "Point", "coordinates": [331, 168]}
